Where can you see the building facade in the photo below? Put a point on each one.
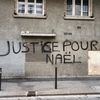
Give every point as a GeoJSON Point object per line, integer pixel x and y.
{"type": "Point", "coordinates": [38, 35]}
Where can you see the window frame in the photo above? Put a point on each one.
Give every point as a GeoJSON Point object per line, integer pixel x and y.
{"type": "Point", "coordinates": [73, 16]}
{"type": "Point", "coordinates": [26, 14]}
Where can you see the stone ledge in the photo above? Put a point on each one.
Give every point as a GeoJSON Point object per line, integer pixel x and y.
{"type": "Point", "coordinates": [38, 35]}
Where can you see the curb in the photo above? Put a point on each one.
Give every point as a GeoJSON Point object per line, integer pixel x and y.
{"type": "Point", "coordinates": [59, 92]}
{"type": "Point", "coordinates": [12, 94]}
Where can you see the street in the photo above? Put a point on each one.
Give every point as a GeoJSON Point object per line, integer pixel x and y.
{"type": "Point", "coordinates": [73, 97]}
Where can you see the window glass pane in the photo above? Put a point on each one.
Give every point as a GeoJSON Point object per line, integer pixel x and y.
{"type": "Point", "coordinates": [39, 9]}
{"type": "Point", "coordinates": [21, 8]}
{"type": "Point", "coordinates": [30, 0]}
{"type": "Point", "coordinates": [69, 7]}
{"type": "Point", "coordinates": [39, 1]}
{"type": "Point", "coordinates": [38, 12]}
{"type": "Point", "coordinates": [85, 7]}
{"type": "Point", "coordinates": [21, 0]}
{"type": "Point", "coordinates": [77, 7]}
{"type": "Point", "coordinates": [30, 8]}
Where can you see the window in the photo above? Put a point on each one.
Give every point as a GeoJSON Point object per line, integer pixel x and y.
{"type": "Point", "coordinates": [79, 8]}
{"type": "Point", "coordinates": [30, 7]}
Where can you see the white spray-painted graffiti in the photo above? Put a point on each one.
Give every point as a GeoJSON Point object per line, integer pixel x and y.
{"type": "Point", "coordinates": [49, 47]}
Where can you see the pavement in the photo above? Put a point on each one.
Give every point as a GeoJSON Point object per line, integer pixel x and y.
{"type": "Point", "coordinates": [32, 89]}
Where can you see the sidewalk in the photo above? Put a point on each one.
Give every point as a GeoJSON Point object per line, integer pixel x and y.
{"type": "Point", "coordinates": [20, 88]}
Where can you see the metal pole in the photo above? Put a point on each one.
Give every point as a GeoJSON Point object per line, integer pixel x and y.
{"type": "Point", "coordinates": [55, 77]}
{"type": "Point", "coordinates": [0, 77]}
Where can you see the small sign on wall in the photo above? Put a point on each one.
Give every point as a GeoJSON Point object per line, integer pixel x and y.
{"type": "Point", "coordinates": [94, 62]}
